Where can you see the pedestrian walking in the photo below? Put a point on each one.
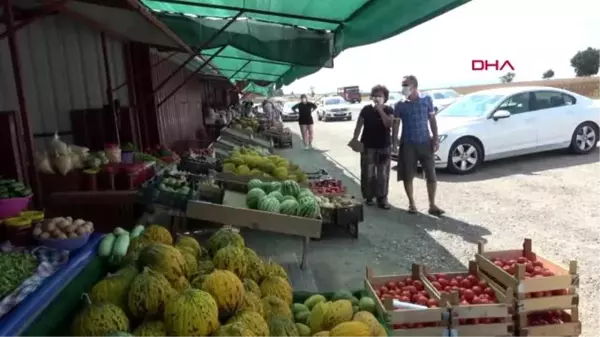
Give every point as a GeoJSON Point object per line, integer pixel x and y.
{"type": "Point", "coordinates": [418, 142]}
{"type": "Point", "coordinates": [375, 123]}
{"type": "Point", "coordinates": [304, 109]}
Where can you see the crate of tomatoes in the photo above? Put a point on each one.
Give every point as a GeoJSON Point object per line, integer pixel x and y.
{"type": "Point", "coordinates": [477, 307]}
{"type": "Point", "coordinates": [545, 293]}
{"type": "Point", "coordinates": [409, 308]}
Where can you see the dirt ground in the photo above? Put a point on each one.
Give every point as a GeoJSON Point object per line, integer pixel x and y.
{"type": "Point", "coordinates": [551, 198]}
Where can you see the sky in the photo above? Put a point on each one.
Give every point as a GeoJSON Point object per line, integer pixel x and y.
{"type": "Point", "coordinates": [533, 35]}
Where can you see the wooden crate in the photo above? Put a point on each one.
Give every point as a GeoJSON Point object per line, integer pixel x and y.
{"type": "Point", "coordinates": [526, 290]}
{"type": "Point", "coordinates": [500, 310]}
{"type": "Point", "coordinates": [439, 316]}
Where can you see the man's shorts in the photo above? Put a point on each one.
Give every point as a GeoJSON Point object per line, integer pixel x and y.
{"type": "Point", "coordinates": [412, 154]}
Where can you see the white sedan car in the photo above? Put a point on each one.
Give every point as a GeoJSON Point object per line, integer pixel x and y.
{"type": "Point", "coordinates": [442, 98]}
{"type": "Point", "coordinates": [506, 122]}
{"type": "Point", "coordinates": [334, 108]}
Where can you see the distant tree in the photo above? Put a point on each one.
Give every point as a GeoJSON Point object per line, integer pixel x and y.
{"type": "Point", "coordinates": [312, 91]}
{"type": "Point", "coordinates": [548, 74]}
{"type": "Point", "coordinates": [508, 77]}
{"type": "Point", "coordinates": [586, 62]}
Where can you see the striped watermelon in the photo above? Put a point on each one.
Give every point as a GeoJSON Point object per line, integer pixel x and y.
{"type": "Point", "coordinates": [309, 210]}
{"type": "Point", "coordinates": [290, 187]}
{"type": "Point", "coordinates": [269, 204]}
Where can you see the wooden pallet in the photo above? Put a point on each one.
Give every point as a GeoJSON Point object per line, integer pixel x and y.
{"type": "Point", "coordinates": [439, 317]}
{"type": "Point", "coordinates": [500, 310]}
{"type": "Point", "coordinates": [525, 290]}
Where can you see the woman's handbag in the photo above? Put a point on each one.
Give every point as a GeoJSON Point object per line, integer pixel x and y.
{"type": "Point", "coordinates": [356, 145]}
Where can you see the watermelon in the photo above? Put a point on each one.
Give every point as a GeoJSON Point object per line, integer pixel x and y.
{"type": "Point", "coordinates": [269, 204]}
{"type": "Point", "coordinates": [253, 197]}
{"type": "Point", "coordinates": [304, 192]}
{"type": "Point", "coordinates": [288, 197]}
{"type": "Point", "coordinates": [290, 187]}
{"type": "Point", "coordinates": [289, 207]}
{"type": "Point", "coordinates": [307, 199]}
{"type": "Point", "coordinates": [275, 186]}
{"type": "Point", "coordinates": [277, 195]}
{"type": "Point", "coordinates": [309, 210]}
{"type": "Point", "coordinates": [254, 183]}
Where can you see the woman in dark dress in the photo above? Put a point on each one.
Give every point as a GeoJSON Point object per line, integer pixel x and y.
{"type": "Point", "coordinates": [304, 110]}
{"type": "Point", "coordinates": [375, 122]}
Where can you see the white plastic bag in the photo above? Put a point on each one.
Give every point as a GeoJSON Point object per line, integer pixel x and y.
{"type": "Point", "coordinates": [63, 164]}
{"type": "Point", "coordinates": [58, 147]}
{"type": "Point", "coordinates": [42, 163]}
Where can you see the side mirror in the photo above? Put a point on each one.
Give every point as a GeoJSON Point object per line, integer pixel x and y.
{"type": "Point", "coordinates": [500, 114]}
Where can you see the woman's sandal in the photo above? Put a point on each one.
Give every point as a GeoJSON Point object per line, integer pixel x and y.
{"type": "Point", "coordinates": [412, 209]}
{"type": "Point", "coordinates": [436, 211]}
{"type": "Point", "coordinates": [384, 205]}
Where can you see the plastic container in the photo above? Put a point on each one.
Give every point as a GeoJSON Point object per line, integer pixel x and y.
{"type": "Point", "coordinates": [127, 157]}
{"type": "Point", "coordinates": [13, 206]}
{"type": "Point", "coordinates": [34, 216]}
{"type": "Point", "coordinates": [18, 231]}
{"type": "Point", "coordinates": [65, 244]}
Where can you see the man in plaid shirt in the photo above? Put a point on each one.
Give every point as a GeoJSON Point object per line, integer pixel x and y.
{"type": "Point", "coordinates": [417, 144]}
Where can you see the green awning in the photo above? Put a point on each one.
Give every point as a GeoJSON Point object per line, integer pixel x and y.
{"type": "Point", "coordinates": [288, 31]}
{"type": "Point", "coordinates": [254, 88]}
{"type": "Point", "coordinates": [355, 22]}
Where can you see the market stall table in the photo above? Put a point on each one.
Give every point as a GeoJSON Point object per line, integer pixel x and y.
{"type": "Point", "coordinates": [18, 320]}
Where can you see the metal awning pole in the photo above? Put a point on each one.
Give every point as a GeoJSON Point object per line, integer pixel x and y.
{"type": "Point", "coordinates": [24, 117]}
{"type": "Point", "coordinates": [197, 51]}
{"type": "Point", "coordinates": [147, 75]}
{"type": "Point", "coordinates": [189, 77]}
{"type": "Point", "coordinates": [109, 92]}
{"type": "Point", "coordinates": [237, 71]}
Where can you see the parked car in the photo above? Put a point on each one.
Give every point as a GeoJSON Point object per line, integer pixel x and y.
{"type": "Point", "coordinates": [442, 98]}
{"type": "Point", "coordinates": [506, 122]}
{"type": "Point", "coordinates": [287, 114]}
{"type": "Point", "coordinates": [333, 108]}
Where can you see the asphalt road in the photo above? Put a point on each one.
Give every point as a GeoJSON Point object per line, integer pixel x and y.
{"type": "Point", "coordinates": [551, 198]}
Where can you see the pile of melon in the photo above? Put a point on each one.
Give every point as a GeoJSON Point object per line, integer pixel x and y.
{"type": "Point", "coordinates": [181, 288]}
{"type": "Point", "coordinates": [249, 162]}
{"type": "Point", "coordinates": [282, 197]}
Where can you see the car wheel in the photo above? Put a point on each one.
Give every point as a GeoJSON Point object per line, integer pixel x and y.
{"type": "Point", "coordinates": [465, 156]}
{"type": "Point", "coordinates": [585, 138]}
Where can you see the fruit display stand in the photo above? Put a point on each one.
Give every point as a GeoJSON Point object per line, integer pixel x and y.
{"type": "Point", "coordinates": [477, 319]}
{"type": "Point", "coordinates": [40, 303]}
{"type": "Point", "coordinates": [432, 321]}
{"type": "Point", "coordinates": [234, 212]}
{"type": "Point", "coordinates": [545, 293]}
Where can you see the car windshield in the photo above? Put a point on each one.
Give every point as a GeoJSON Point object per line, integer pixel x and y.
{"type": "Point", "coordinates": [289, 105]}
{"type": "Point", "coordinates": [333, 101]}
{"type": "Point", "coordinates": [474, 105]}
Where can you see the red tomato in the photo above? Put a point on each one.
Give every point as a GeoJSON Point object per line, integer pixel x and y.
{"type": "Point", "coordinates": [477, 290]}
{"type": "Point", "coordinates": [406, 293]}
{"type": "Point", "coordinates": [378, 293]}
{"type": "Point", "coordinates": [512, 261]}
{"type": "Point", "coordinates": [465, 283]}
{"type": "Point", "coordinates": [538, 264]}
{"type": "Point", "coordinates": [412, 289]}
{"type": "Point", "coordinates": [433, 306]}
{"type": "Point", "coordinates": [431, 278]}
{"type": "Point", "coordinates": [469, 295]}
{"type": "Point", "coordinates": [499, 263]}
{"type": "Point", "coordinates": [423, 301]}
{"type": "Point", "coordinates": [477, 300]}
{"type": "Point", "coordinates": [485, 320]}
{"type": "Point", "coordinates": [507, 268]}
{"type": "Point", "coordinates": [472, 278]}
{"type": "Point", "coordinates": [432, 303]}
{"type": "Point", "coordinates": [404, 299]}
{"type": "Point", "coordinates": [441, 275]}
{"type": "Point", "coordinates": [384, 296]}
{"type": "Point", "coordinates": [547, 273]}
{"type": "Point", "coordinates": [454, 283]}
{"type": "Point", "coordinates": [529, 267]}
{"type": "Point", "coordinates": [489, 291]}
{"type": "Point", "coordinates": [459, 278]}
{"type": "Point", "coordinates": [408, 281]}
{"type": "Point", "coordinates": [436, 285]}
{"type": "Point", "coordinates": [527, 275]}
{"type": "Point", "coordinates": [444, 282]}
{"type": "Point", "coordinates": [390, 285]}
{"type": "Point", "coordinates": [415, 298]}
{"type": "Point", "coordinates": [464, 302]}
{"type": "Point", "coordinates": [383, 289]}
{"type": "Point", "coordinates": [418, 284]}
{"type": "Point", "coordinates": [482, 284]}
{"type": "Point", "coordinates": [538, 270]}
{"type": "Point", "coordinates": [522, 260]}
{"type": "Point", "coordinates": [400, 284]}
{"type": "Point", "coordinates": [447, 289]}
{"type": "Point", "coordinates": [424, 293]}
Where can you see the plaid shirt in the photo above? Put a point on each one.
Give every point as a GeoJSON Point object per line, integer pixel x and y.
{"type": "Point", "coordinates": [415, 119]}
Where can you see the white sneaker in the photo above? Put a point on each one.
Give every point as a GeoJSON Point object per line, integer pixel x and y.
{"type": "Point", "coordinates": [306, 147]}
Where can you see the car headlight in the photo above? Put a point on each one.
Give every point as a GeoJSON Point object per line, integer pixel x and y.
{"type": "Point", "coordinates": [441, 138]}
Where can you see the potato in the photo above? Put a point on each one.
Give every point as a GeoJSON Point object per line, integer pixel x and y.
{"type": "Point", "coordinates": [90, 224]}
{"type": "Point", "coordinates": [81, 231]}
{"type": "Point", "coordinates": [37, 231]}
{"type": "Point", "coordinates": [45, 235]}
{"type": "Point", "coordinates": [56, 233]}
{"type": "Point", "coordinates": [50, 226]}
{"type": "Point", "coordinates": [79, 222]}
{"type": "Point", "coordinates": [73, 235]}
{"type": "Point", "coordinates": [64, 224]}
{"type": "Point", "coordinates": [69, 219]}
{"type": "Point", "coordinates": [61, 236]}
{"type": "Point", "coordinates": [71, 229]}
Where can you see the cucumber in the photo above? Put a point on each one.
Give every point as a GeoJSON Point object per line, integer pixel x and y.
{"type": "Point", "coordinates": [120, 247]}
{"type": "Point", "coordinates": [106, 246]}
{"type": "Point", "coordinates": [136, 231]}
{"type": "Point", "coordinates": [119, 231]}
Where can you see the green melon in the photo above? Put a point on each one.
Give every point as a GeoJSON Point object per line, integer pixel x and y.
{"type": "Point", "coordinates": [290, 187]}
{"type": "Point", "coordinates": [253, 197]}
{"type": "Point", "coordinates": [254, 183]}
{"type": "Point", "coordinates": [277, 195]}
{"type": "Point", "coordinates": [309, 210]}
{"type": "Point", "coordinates": [269, 204]}
{"type": "Point", "coordinates": [289, 207]}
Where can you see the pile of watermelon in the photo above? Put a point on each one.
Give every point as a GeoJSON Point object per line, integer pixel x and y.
{"type": "Point", "coordinates": [282, 197]}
